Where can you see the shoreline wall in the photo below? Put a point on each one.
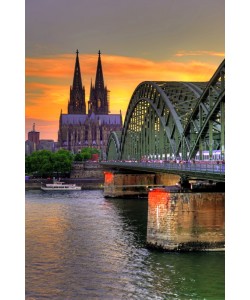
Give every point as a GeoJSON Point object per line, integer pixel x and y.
{"type": "Point", "coordinates": [88, 169]}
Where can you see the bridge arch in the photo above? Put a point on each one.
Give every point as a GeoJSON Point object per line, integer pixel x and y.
{"type": "Point", "coordinates": [156, 117]}
{"type": "Point", "coordinates": [169, 119]}
{"type": "Point", "coordinates": [113, 146]}
{"type": "Point", "coordinates": [205, 129]}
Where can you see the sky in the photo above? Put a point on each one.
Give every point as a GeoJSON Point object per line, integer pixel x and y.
{"type": "Point", "coordinates": [139, 40]}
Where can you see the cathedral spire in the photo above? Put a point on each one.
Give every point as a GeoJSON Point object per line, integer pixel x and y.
{"type": "Point", "coordinates": [98, 99]}
{"type": "Point", "coordinates": [91, 89]}
{"type": "Point", "coordinates": [77, 91]}
{"type": "Point", "coordinates": [77, 81]}
{"type": "Point", "coordinates": [99, 82]}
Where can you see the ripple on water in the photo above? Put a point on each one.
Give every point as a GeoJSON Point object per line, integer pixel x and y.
{"type": "Point", "coordinates": [82, 246]}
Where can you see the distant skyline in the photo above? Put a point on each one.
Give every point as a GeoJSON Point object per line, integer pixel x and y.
{"type": "Point", "coordinates": [139, 40]}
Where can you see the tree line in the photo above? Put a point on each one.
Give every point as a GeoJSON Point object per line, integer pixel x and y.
{"type": "Point", "coordinates": [45, 163]}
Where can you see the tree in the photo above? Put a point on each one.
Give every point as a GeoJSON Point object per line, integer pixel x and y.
{"type": "Point", "coordinates": [62, 162]}
{"type": "Point", "coordinates": [87, 152]}
{"type": "Point", "coordinates": [79, 157]}
{"type": "Point", "coordinates": [44, 163]}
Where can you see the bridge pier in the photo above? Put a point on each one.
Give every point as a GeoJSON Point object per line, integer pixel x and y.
{"type": "Point", "coordinates": [129, 185]}
{"type": "Point", "coordinates": [186, 221]}
{"type": "Point", "coordinates": [166, 179]}
{"type": "Point", "coordinates": [120, 184]}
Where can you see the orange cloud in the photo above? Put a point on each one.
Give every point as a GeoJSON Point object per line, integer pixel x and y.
{"type": "Point", "coordinates": [48, 81]}
{"type": "Point", "coordinates": [199, 53]}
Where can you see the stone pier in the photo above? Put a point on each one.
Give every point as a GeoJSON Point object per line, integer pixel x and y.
{"type": "Point", "coordinates": [120, 184]}
{"type": "Point", "coordinates": [186, 221]}
{"type": "Point", "coordinates": [166, 179]}
{"type": "Point", "coordinates": [127, 185]}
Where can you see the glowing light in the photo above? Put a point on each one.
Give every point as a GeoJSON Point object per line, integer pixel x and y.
{"type": "Point", "coordinates": [108, 178]}
{"type": "Point", "coordinates": [157, 196]}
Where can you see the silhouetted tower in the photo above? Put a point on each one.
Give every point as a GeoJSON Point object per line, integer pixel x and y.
{"type": "Point", "coordinates": [76, 103]}
{"type": "Point", "coordinates": [34, 137]}
{"type": "Point", "coordinates": [98, 99]}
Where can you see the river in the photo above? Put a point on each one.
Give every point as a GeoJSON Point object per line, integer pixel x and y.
{"type": "Point", "coordinates": [80, 245]}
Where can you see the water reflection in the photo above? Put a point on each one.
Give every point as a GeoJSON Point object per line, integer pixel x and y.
{"type": "Point", "coordinates": [188, 275]}
{"type": "Point", "coordinates": [82, 246]}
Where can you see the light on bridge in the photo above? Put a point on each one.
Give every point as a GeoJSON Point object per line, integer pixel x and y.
{"type": "Point", "coordinates": [158, 195]}
{"type": "Point", "coordinates": [108, 177]}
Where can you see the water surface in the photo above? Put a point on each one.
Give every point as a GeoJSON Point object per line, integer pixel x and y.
{"type": "Point", "coordinates": [80, 245]}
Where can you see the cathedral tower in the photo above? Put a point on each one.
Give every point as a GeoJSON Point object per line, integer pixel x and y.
{"type": "Point", "coordinates": [98, 99]}
{"type": "Point", "coordinates": [77, 129]}
{"type": "Point", "coordinates": [76, 103]}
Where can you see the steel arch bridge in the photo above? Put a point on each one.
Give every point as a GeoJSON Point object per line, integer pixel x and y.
{"type": "Point", "coordinates": [113, 146]}
{"type": "Point", "coordinates": [166, 120]}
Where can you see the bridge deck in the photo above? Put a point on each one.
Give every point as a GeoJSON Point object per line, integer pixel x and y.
{"type": "Point", "coordinates": [196, 171]}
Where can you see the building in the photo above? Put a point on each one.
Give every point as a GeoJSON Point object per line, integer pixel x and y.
{"type": "Point", "coordinates": [47, 145]}
{"type": "Point", "coordinates": [79, 129]}
{"type": "Point", "coordinates": [34, 136]}
{"type": "Point", "coordinates": [29, 147]}
{"type": "Point", "coordinates": [32, 144]}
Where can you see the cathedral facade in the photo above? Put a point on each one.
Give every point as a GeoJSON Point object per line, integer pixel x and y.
{"type": "Point", "coordinates": [79, 128]}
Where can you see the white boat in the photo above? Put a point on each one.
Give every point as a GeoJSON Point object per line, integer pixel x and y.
{"type": "Point", "coordinates": [60, 186]}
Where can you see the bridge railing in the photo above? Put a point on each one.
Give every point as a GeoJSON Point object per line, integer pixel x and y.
{"type": "Point", "coordinates": [205, 168]}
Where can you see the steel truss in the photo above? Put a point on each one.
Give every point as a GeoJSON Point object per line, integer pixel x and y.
{"type": "Point", "coordinates": [113, 146]}
{"type": "Point", "coordinates": [165, 120]}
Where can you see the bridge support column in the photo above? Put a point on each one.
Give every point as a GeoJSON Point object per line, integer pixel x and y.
{"type": "Point", "coordinates": [186, 221]}
{"type": "Point", "coordinates": [166, 179]}
{"type": "Point", "coordinates": [127, 185]}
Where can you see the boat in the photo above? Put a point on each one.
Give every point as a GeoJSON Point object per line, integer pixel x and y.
{"type": "Point", "coordinates": [58, 185]}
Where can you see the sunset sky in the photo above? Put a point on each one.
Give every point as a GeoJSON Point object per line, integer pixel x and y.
{"type": "Point", "coordinates": [139, 40]}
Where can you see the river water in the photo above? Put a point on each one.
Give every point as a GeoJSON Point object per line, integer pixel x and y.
{"type": "Point", "coordinates": [80, 245]}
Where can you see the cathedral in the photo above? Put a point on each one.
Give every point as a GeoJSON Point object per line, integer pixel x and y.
{"type": "Point", "coordinates": [79, 128]}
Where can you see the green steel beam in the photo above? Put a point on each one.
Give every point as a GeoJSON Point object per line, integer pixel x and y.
{"type": "Point", "coordinates": [165, 119]}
